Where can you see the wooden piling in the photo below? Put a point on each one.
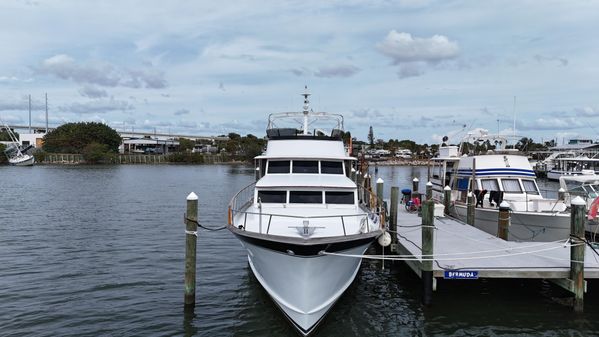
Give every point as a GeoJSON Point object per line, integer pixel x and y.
{"type": "Point", "coordinates": [447, 199]}
{"type": "Point", "coordinates": [393, 216]}
{"type": "Point", "coordinates": [379, 191]}
{"type": "Point", "coordinates": [561, 194]}
{"type": "Point", "coordinates": [577, 248]}
{"type": "Point", "coordinates": [429, 191]}
{"type": "Point", "coordinates": [191, 238]}
{"type": "Point", "coordinates": [427, 252]}
{"type": "Point", "coordinates": [257, 173]}
{"type": "Point", "coordinates": [353, 175]}
{"type": "Point", "coordinates": [503, 220]}
{"type": "Point", "coordinates": [470, 209]}
{"type": "Point", "coordinates": [415, 186]}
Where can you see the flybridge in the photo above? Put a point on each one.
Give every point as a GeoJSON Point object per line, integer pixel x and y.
{"type": "Point", "coordinates": [305, 124]}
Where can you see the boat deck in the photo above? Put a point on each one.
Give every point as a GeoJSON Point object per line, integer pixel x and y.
{"type": "Point", "coordinates": [458, 246]}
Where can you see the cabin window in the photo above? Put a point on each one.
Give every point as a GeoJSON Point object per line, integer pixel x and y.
{"type": "Point", "coordinates": [305, 166]}
{"type": "Point", "coordinates": [511, 186]}
{"type": "Point", "coordinates": [463, 184]}
{"type": "Point", "coordinates": [278, 166]}
{"type": "Point", "coordinates": [331, 167]}
{"type": "Point", "coordinates": [530, 187]}
{"type": "Point", "coordinates": [345, 198]}
{"type": "Point", "coordinates": [305, 197]}
{"type": "Point", "coordinates": [272, 196]}
{"type": "Point", "coordinates": [490, 184]}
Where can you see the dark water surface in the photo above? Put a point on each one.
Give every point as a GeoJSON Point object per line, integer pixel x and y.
{"type": "Point", "coordinates": [98, 251]}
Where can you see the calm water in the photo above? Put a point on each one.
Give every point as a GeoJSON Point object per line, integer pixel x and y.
{"type": "Point", "coordinates": [90, 251]}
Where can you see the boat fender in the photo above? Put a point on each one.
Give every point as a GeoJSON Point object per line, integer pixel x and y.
{"type": "Point", "coordinates": [593, 209]}
{"type": "Point", "coordinates": [385, 239]}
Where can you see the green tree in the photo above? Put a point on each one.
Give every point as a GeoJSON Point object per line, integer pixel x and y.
{"type": "Point", "coordinates": [74, 137]}
{"type": "Point", "coordinates": [186, 144]}
{"type": "Point", "coordinates": [4, 137]}
{"type": "Point", "coordinates": [3, 159]}
{"type": "Point", "coordinates": [94, 153]}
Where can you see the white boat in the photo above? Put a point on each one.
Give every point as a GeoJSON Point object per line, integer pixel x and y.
{"type": "Point", "coordinates": [501, 175]}
{"type": "Point", "coordinates": [302, 210]}
{"type": "Point", "coordinates": [587, 187]}
{"type": "Point", "coordinates": [574, 166]}
{"type": "Point", "coordinates": [17, 155]}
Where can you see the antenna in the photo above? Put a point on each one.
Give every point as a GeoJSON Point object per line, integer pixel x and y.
{"type": "Point", "coordinates": [306, 109]}
{"type": "Point", "coordinates": [46, 112]}
{"type": "Point", "coordinates": [514, 117]}
{"type": "Point", "coordinates": [29, 113]}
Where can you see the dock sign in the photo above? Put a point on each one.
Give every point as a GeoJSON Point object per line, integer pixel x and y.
{"type": "Point", "coordinates": [461, 274]}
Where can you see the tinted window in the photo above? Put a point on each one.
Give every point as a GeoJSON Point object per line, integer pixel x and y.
{"type": "Point", "coordinates": [278, 166]}
{"type": "Point", "coordinates": [339, 198]}
{"type": "Point", "coordinates": [305, 197]}
{"type": "Point", "coordinates": [331, 167]}
{"type": "Point", "coordinates": [511, 185]}
{"type": "Point", "coordinates": [490, 184]}
{"type": "Point", "coordinates": [272, 196]}
{"type": "Point", "coordinates": [305, 166]}
{"type": "Point", "coordinates": [530, 187]}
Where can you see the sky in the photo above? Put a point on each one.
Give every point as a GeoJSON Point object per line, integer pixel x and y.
{"type": "Point", "coordinates": [411, 69]}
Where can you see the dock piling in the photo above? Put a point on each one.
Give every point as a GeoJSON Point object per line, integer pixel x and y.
{"type": "Point", "coordinates": [470, 209]}
{"type": "Point", "coordinates": [379, 191]}
{"type": "Point", "coordinates": [415, 186]}
{"type": "Point", "coordinates": [561, 194]}
{"type": "Point", "coordinates": [191, 237]}
{"type": "Point", "coordinates": [503, 220]}
{"type": "Point", "coordinates": [429, 191]}
{"type": "Point", "coordinates": [427, 251]}
{"type": "Point", "coordinates": [446, 199]}
{"type": "Point", "coordinates": [393, 217]}
{"type": "Point", "coordinates": [577, 220]}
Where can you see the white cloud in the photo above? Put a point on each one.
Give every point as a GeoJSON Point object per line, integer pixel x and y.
{"type": "Point", "coordinates": [100, 73]}
{"type": "Point", "coordinates": [97, 106]}
{"type": "Point", "coordinates": [91, 91]}
{"type": "Point", "coordinates": [403, 47]}
{"type": "Point", "coordinates": [337, 71]}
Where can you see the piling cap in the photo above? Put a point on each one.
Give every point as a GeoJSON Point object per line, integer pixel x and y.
{"type": "Point", "coordinates": [353, 169]}
{"type": "Point", "coordinates": [258, 168]}
{"type": "Point", "coordinates": [192, 196]}
{"type": "Point", "coordinates": [380, 181]}
{"type": "Point", "coordinates": [578, 201]}
{"type": "Point", "coordinates": [447, 188]}
{"type": "Point", "coordinates": [470, 194]}
{"type": "Point", "coordinates": [415, 180]}
{"type": "Point", "coordinates": [366, 175]}
{"type": "Point", "coordinates": [504, 204]}
{"type": "Point", "coordinates": [561, 190]}
{"type": "Point", "coordinates": [429, 184]}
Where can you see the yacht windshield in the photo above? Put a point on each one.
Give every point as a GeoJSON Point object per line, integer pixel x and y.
{"type": "Point", "coordinates": [305, 166]}
{"type": "Point", "coordinates": [331, 167]}
{"type": "Point", "coordinates": [305, 197]}
{"type": "Point", "coordinates": [511, 186]}
{"type": "Point", "coordinates": [530, 187]}
{"type": "Point", "coordinates": [278, 166]}
{"type": "Point", "coordinates": [272, 196]}
{"type": "Point", "coordinates": [345, 198]}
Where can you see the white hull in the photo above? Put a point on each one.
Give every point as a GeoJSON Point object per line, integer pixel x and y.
{"type": "Point", "coordinates": [305, 288]}
{"type": "Point", "coordinates": [524, 226]}
{"type": "Point", "coordinates": [25, 160]}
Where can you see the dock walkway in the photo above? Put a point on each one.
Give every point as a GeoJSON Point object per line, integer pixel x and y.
{"type": "Point", "coordinates": [458, 246]}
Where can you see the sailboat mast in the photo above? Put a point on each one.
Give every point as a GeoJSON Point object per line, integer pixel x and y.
{"type": "Point", "coordinates": [29, 113]}
{"type": "Point", "coordinates": [46, 112]}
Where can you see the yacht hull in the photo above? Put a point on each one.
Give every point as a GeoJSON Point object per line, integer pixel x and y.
{"type": "Point", "coordinates": [524, 226]}
{"type": "Point", "coordinates": [27, 160]}
{"type": "Point", "coordinates": [305, 287]}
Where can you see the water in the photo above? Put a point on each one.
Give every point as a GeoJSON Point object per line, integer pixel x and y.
{"type": "Point", "coordinates": [90, 251]}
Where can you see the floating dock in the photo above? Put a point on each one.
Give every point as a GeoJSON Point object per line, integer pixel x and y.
{"type": "Point", "coordinates": [459, 246]}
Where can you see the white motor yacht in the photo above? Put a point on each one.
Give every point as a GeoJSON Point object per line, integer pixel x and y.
{"type": "Point", "coordinates": [302, 207]}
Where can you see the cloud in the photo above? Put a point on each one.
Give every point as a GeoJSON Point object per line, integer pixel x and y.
{"type": "Point", "coordinates": [97, 106]}
{"type": "Point", "coordinates": [300, 71]}
{"type": "Point", "coordinates": [187, 124]}
{"type": "Point", "coordinates": [403, 47]}
{"type": "Point", "coordinates": [181, 112]}
{"type": "Point", "coordinates": [21, 104]}
{"type": "Point", "coordinates": [100, 73]}
{"type": "Point", "coordinates": [410, 70]}
{"type": "Point", "coordinates": [587, 111]}
{"type": "Point", "coordinates": [337, 71]}
{"type": "Point", "coordinates": [554, 123]}
{"type": "Point", "coordinates": [544, 59]}
{"type": "Point", "coordinates": [92, 92]}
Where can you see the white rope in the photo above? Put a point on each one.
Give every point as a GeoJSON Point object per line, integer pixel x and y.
{"type": "Point", "coordinates": [195, 233]}
{"type": "Point", "coordinates": [378, 257]}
